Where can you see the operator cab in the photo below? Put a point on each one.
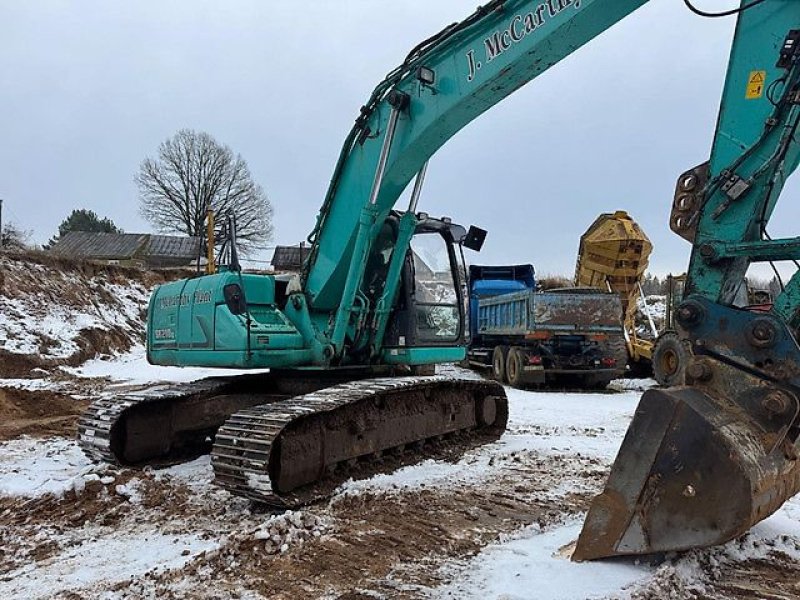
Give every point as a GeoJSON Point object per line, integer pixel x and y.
{"type": "Point", "coordinates": [431, 306]}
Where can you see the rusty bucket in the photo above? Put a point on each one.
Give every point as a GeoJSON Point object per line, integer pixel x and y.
{"type": "Point", "coordinates": [696, 468]}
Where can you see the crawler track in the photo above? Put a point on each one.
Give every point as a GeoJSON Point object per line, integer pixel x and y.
{"type": "Point", "coordinates": [286, 441]}
{"type": "Point", "coordinates": [169, 423]}
{"type": "Point", "coordinates": [102, 428]}
{"type": "Point", "coordinates": [293, 452]}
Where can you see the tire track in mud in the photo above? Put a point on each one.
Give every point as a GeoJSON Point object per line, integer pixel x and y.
{"type": "Point", "coordinates": [389, 543]}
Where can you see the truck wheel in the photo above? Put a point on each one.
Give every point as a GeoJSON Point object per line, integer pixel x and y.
{"type": "Point", "coordinates": [670, 357]}
{"type": "Point", "coordinates": [515, 367]}
{"type": "Point", "coordinates": [499, 363]}
{"type": "Point", "coordinates": [618, 350]}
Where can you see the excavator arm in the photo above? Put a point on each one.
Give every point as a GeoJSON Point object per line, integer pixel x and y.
{"type": "Point", "coordinates": [445, 82]}
{"type": "Point", "coordinates": [701, 464]}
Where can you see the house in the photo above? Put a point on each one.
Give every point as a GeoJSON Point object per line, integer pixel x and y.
{"type": "Point", "coordinates": [289, 258]}
{"type": "Point", "coordinates": [133, 249]}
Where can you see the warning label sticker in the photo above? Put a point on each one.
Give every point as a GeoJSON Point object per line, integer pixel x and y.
{"type": "Point", "coordinates": [755, 85]}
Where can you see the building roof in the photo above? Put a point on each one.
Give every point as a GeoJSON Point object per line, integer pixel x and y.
{"type": "Point", "coordinates": [125, 246]}
{"type": "Point", "coordinates": [289, 258]}
{"type": "Point", "coordinates": [170, 246]}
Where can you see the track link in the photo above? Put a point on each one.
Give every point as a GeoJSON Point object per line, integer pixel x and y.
{"type": "Point", "coordinates": [97, 424]}
{"type": "Point", "coordinates": [296, 451]}
{"type": "Point", "coordinates": [166, 423]}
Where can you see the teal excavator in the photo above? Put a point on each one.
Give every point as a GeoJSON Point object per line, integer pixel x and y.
{"type": "Point", "coordinates": [348, 341]}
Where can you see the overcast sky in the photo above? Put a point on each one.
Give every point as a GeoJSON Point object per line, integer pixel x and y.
{"type": "Point", "coordinates": [88, 89]}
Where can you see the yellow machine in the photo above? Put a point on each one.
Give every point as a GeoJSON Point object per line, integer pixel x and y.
{"type": "Point", "coordinates": [613, 255]}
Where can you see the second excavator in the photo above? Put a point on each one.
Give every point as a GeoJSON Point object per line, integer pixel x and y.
{"type": "Point", "coordinates": [381, 295]}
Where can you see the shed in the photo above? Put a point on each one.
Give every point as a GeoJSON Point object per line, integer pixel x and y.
{"type": "Point", "coordinates": [129, 248]}
{"type": "Point", "coordinates": [289, 258]}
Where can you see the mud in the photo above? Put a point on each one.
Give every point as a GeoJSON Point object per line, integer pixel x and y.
{"type": "Point", "coordinates": [40, 413]}
{"type": "Point", "coordinates": [371, 540]}
{"type": "Point", "coordinates": [390, 544]}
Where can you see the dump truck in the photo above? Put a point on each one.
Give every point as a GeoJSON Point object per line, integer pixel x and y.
{"type": "Point", "coordinates": [529, 338]}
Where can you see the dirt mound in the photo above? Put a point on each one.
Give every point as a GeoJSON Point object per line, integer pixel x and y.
{"type": "Point", "coordinates": [57, 312]}
{"type": "Point", "coordinates": [38, 413]}
{"type": "Point", "coordinates": [89, 269]}
{"type": "Point", "coordinates": [19, 366]}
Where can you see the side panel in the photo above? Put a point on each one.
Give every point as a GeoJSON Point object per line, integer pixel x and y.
{"type": "Point", "coordinates": [508, 314]}
{"type": "Point", "coordinates": [222, 320]}
{"type": "Point", "coordinates": [529, 313]}
{"type": "Point", "coordinates": [494, 280]}
{"type": "Point", "coordinates": [562, 312]}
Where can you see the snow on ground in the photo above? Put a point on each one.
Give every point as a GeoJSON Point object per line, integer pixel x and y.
{"type": "Point", "coordinates": [31, 385]}
{"type": "Point", "coordinates": [633, 385]}
{"type": "Point", "coordinates": [33, 467]}
{"type": "Point", "coordinates": [547, 422]}
{"type": "Point", "coordinates": [551, 423]}
{"type": "Point", "coordinates": [114, 558]}
{"type": "Point", "coordinates": [132, 368]}
{"type": "Point", "coordinates": [575, 423]}
{"type": "Point", "coordinates": [535, 564]}
{"type": "Point", "coordinates": [47, 320]}
{"type": "Point", "coordinates": [530, 562]}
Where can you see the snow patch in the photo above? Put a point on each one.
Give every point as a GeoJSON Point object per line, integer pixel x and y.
{"type": "Point", "coordinates": [534, 565]}
{"type": "Point", "coordinates": [49, 321]}
{"type": "Point", "coordinates": [34, 467]}
{"type": "Point", "coordinates": [116, 558]}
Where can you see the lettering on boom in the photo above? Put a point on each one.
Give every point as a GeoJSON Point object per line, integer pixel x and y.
{"type": "Point", "coordinates": [520, 26]}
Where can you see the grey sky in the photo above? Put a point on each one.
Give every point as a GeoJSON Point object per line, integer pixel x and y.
{"type": "Point", "coordinates": [90, 88]}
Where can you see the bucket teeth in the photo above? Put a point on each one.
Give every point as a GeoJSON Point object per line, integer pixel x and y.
{"type": "Point", "coordinates": [693, 471]}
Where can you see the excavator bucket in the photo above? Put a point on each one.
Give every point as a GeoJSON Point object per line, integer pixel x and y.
{"type": "Point", "coordinates": [695, 469]}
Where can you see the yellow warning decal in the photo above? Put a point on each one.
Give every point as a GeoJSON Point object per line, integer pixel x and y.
{"type": "Point", "coordinates": [755, 85]}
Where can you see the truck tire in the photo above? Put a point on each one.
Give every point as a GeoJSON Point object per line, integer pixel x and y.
{"type": "Point", "coordinates": [670, 357]}
{"type": "Point", "coordinates": [515, 367]}
{"type": "Point", "coordinates": [618, 350]}
{"type": "Point", "coordinates": [499, 363]}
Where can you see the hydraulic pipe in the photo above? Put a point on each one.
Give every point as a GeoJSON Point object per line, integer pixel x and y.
{"type": "Point", "coordinates": [366, 221]}
{"type": "Point", "coordinates": [417, 191]}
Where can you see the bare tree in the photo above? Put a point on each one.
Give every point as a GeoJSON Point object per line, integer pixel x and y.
{"type": "Point", "coordinates": [14, 239]}
{"type": "Point", "coordinates": [194, 172]}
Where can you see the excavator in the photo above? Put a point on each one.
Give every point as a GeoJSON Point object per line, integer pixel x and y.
{"type": "Point", "coordinates": [348, 341]}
